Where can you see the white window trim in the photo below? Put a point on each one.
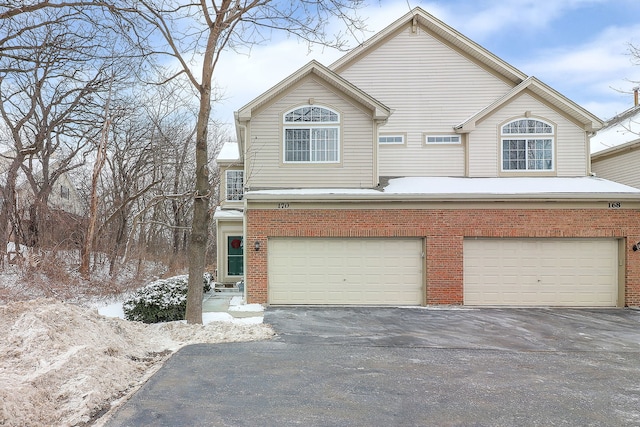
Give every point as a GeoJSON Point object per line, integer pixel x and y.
{"type": "Point", "coordinates": [336, 122]}
{"type": "Point", "coordinates": [527, 137]}
{"type": "Point", "coordinates": [226, 186]}
{"type": "Point", "coordinates": [451, 137]}
{"type": "Point", "coordinates": [311, 125]}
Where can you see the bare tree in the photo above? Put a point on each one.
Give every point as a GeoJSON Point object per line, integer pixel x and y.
{"type": "Point", "coordinates": [146, 185]}
{"type": "Point", "coordinates": [197, 33]}
{"type": "Point", "coordinates": [101, 154]}
{"type": "Point", "coordinates": [53, 68]}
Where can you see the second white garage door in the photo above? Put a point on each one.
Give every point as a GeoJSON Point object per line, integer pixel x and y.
{"type": "Point", "coordinates": [345, 271]}
{"type": "Point", "coordinates": [541, 272]}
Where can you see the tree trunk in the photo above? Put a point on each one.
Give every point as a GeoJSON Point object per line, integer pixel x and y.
{"type": "Point", "coordinates": [87, 247]}
{"type": "Point", "coordinates": [200, 226]}
{"type": "Point", "coordinates": [101, 155]}
{"type": "Point", "coordinates": [10, 207]}
{"type": "Point", "coordinates": [4, 229]}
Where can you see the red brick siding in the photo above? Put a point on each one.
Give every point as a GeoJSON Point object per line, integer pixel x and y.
{"type": "Point", "coordinates": [444, 231]}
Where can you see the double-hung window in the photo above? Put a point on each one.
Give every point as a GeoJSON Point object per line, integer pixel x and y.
{"type": "Point", "coordinates": [234, 184]}
{"type": "Point", "coordinates": [312, 135]}
{"type": "Point", "coordinates": [527, 145]}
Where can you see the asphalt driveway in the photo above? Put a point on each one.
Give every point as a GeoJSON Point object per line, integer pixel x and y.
{"type": "Point", "coordinates": [406, 367]}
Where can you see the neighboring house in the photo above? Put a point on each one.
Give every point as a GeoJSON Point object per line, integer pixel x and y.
{"type": "Point", "coordinates": [64, 196]}
{"type": "Point", "coordinates": [421, 169]}
{"type": "Point", "coordinates": [615, 149]}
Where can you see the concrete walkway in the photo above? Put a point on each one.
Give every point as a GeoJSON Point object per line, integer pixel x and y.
{"type": "Point", "coordinates": [227, 301]}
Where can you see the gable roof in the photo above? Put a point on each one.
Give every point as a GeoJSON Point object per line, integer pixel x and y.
{"type": "Point", "coordinates": [418, 16]}
{"type": "Point", "coordinates": [380, 111]}
{"type": "Point", "coordinates": [589, 121]}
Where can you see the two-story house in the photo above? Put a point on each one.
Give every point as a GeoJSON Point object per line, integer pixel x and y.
{"type": "Point", "coordinates": [64, 201]}
{"type": "Point", "coordinates": [422, 169]}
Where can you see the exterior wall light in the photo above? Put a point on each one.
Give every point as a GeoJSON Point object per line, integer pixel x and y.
{"type": "Point", "coordinates": [257, 245]}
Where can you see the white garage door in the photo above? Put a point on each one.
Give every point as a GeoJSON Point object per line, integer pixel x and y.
{"type": "Point", "coordinates": [541, 272]}
{"type": "Point", "coordinates": [345, 271]}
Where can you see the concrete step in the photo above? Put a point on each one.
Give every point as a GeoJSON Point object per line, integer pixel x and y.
{"type": "Point", "coordinates": [227, 291]}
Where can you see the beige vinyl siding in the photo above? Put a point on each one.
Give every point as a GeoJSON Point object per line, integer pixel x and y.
{"type": "Point", "coordinates": [622, 168]}
{"type": "Point", "coordinates": [225, 228]}
{"type": "Point", "coordinates": [437, 160]}
{"type": "Point", "coordinates": [430, 87]}
{"type": "Point", "coordinates": [570, 140]}
{"type": "Point", "coordinates": [265, 167]}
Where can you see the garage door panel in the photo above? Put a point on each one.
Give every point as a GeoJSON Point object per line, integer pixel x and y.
{"type": "Point", "coordinates": [554, 272]}
{"type": "Point", "coordinates": [345, 271]}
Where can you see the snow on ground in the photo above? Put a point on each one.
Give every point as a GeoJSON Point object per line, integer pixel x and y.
{"type": "Point", "coordinates": [68, 363]}
{"type": "Point", "coordinates": [237, 304]}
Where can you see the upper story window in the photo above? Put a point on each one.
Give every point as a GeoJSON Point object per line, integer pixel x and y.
{"type": "Point", "coordinates": [527, 145]}
{"type": "Point", "coordinates": [311, 135]}
{"type": "Point", "coordinates": [64, 192]}
{"type": "Point", "coordinates": [391, 139]}
{"type": "Point", "coordinates": [234, 184]}
{"type": "Point", "coordinates": [443, 139]}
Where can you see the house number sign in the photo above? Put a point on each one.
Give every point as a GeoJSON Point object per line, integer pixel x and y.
{"type": "Point", "coordinates": [286, 205]}
{"type": "Point", "coordinates": [615, 205]}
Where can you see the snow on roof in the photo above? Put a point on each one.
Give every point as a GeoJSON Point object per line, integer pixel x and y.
{"type": "Point", "coordinates": [227, 213]}
{"type": "Point", "coordinates": [315, 191]}
{"type": "Point", "coordinates": [619, 130]}
{"type": "Point", "coordinates": [229, 152]}
{"type": "Point", "coordinates": [505, 186]}
{"type": "Point", "coordinates": [454, 188]}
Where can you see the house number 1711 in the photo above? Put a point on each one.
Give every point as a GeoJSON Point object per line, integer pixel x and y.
{"type": "Point", "coordinates": [615, 205]}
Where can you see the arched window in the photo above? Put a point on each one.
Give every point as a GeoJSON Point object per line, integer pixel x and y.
{"type": "Point", "coordinates": [311, 135]}
{"type": "Point", "coordinates": [527, 145]}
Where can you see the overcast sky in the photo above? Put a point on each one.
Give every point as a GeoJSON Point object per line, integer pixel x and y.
{"type": "Point", "coordinates": [578, 47]}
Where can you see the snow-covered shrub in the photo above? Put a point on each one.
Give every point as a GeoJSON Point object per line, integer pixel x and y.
{"type": "Point", "coordinates": [164, 300]}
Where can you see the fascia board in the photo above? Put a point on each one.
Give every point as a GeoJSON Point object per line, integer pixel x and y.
{"type": "Point", "coordinates": [381, 111]}
{"type": "Point", "coordinates": [590, 121]}
{"type": "Point", "coordinates": [451, 197]}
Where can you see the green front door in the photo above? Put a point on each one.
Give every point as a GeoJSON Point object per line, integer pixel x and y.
{"type": "Point", "coordinates": [235, 256]}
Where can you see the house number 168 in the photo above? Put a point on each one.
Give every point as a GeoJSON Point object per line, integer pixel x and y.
{"type": "Point", "coordinates": [286, 205]}
{"type": "Point", "coordinates": [614, 205]}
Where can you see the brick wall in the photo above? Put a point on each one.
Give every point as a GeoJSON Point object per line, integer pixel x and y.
{"type": "Point", "coordinates": [444, 231]}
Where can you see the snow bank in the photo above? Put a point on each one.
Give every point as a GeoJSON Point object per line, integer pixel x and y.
{"type": "Point", "coordinates": [62, 364]}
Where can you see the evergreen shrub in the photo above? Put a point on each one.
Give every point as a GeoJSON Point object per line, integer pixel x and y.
{"type": "Point", "coordinates": [164, 300]}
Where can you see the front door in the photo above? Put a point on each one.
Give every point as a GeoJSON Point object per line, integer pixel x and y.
{"type": "Point", "coordinates": [235, 256]}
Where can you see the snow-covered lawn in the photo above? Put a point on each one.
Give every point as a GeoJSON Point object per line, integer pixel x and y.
{"type": "Point", "coordinates": [68, 364]}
